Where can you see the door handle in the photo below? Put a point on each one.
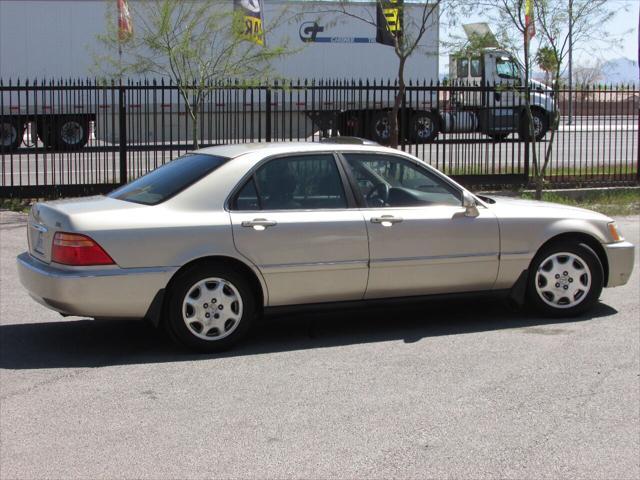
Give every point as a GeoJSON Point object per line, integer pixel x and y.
{"type": "Point", "coordinates": [386, 220]}
{"type": "Point", "coordinates": [259, 223]}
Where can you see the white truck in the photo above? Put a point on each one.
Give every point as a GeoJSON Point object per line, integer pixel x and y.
{"type": "Point", "coordinates": [484, 95]}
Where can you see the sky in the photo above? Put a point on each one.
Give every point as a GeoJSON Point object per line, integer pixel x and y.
{"type": "Point", "coordinates": [622, 22]}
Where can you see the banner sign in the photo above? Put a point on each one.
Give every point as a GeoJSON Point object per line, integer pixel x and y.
{"type": "Point", "coordinates": [389, 20]}
{"type": "Point", "coordinates": [252, 15]}
{"type": "Point", "coordinates": [530, 25]}
{"type": "Point", "coordinates": [125, 27]}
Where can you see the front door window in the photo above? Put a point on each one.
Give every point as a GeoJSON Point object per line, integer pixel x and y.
{"type": "Point", "coordinates": [388, 181]}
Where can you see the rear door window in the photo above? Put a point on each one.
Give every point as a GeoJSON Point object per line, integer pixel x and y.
{"type": "Point", "coordinates": [304, 182]}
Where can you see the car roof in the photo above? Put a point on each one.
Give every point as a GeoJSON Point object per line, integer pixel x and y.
{"type": "Point", "coordinates": [236, 150]}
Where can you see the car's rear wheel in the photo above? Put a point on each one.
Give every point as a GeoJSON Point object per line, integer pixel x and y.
{"type": "Point", "coordinates": [210, 308]}
{"type": "Point", "coordinates": [565, 279]}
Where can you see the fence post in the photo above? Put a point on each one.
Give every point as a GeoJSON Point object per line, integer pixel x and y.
{"type": "Point", "coordinates": [403, 118]}
{"type": "Point", "coordinates": [638, 157]}
{"type": "Point", "coordinates": [268, 114]}
{"type": "Point", "coordinates": [122, 118]}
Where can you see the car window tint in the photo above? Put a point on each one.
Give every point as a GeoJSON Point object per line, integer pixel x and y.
{"type": "Point", "coordinates": [300, 182]}
{"type": "Point", "coordinates": [247, 198]}
{"type": "Point", "coordinates": [164, 182]}
{"type": "Point", "coordinates": [387, 181]}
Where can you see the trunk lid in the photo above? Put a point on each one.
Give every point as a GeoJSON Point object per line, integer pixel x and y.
{"type": "Point", "coordinates": [47, 218]}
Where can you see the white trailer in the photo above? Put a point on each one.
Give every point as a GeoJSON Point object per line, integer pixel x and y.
{"type": "Point", "coordinates": [56, 39]}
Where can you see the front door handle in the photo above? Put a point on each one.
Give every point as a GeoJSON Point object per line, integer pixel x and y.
{"type": "Point", "coordinates": [259, 223]}
{"type": "Point", "coordinates": [386, 220]}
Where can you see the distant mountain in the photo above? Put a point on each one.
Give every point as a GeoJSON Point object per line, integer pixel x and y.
{"type": "Point", "coordinates": [620, 70]}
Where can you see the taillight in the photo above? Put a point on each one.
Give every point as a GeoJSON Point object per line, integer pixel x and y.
{"type": "Point", "coordinates": [78, 250]}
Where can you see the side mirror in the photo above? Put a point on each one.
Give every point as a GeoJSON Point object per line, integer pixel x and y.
{"type": "Point", "coordinates": [470, 205]}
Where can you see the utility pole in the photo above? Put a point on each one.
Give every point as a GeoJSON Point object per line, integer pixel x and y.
{"type": "Point", "coordinates": [570, 112]}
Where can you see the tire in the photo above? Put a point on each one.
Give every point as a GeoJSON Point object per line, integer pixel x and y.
{"type": "Point", "coordinates": [541, 125]}
{"type": "Point", "coordinates": [423, 127]}
{"type": "Point", "coordinates": [565, 279]}
{"type": "Point", "coordinates": [11, 133]}
{"type": "Point", "coordinates": [72, 133]}
{"type": "Point", "coordinates": [380, 130]}
{"type": "Point", "coordinates": [231, 309]}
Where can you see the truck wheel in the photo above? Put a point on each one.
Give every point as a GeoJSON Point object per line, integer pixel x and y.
{"type": "Point", "coordinates": [72, 133]}
{"type": "Point", "coordinates": [11, 133]}
{"type": "Point", "coordinates": [424, 127]}
{"type": "Point", "coordinates": [540, 125]}
{"type": "Point", "coordinates": [381, 128]}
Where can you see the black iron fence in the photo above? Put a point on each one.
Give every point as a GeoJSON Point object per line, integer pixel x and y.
{"type": "Point", "coordinates": [73, 138]}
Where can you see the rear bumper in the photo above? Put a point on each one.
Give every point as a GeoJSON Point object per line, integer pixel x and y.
{"type": "Point", "coordinates": [113, 293]}
{"type": "Point", "coordinates": [620, 258]}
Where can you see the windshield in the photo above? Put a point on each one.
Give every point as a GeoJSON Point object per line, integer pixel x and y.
{"type": "Point", "coordinates": [507, 68]}
{"type": "Point", "coordinates": [165, 182]}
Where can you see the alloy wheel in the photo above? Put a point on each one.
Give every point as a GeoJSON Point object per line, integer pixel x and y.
{"type": "Point", "coordinates": [563, 280]}
{"type": "Point", "coordinates": [212, 308]}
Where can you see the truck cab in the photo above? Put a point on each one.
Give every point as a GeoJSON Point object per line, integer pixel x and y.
{"type": "Point", "coordinates": [497, 100]}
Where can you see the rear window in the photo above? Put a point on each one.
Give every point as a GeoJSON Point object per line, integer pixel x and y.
{"type": "Point", "coordinates": [165, 182]}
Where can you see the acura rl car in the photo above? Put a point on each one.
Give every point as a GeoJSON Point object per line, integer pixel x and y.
{"type": "Point", "coordinates": [206, 243]}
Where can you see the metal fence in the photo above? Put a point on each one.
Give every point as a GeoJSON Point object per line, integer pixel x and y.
{"type": "Point", "coordinates": [74, 137]}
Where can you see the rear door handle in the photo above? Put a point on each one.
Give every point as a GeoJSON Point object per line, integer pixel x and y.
{"type": "Point", "coordinates": [386, 220]}
{"type": "Point", "coordinates": [259, 223]}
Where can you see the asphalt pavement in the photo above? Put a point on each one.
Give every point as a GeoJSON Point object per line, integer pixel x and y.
{"type": "Point", "coordinates": [434, 390]}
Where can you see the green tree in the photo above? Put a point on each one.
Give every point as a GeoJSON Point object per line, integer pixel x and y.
{"type": "Point", "coordinates": [195, 44]}
{"type": "Point", "coordinates": [547, 62]}
{"type": "Point", "coordinates": [563, 25]}
{"type": "Point", "coordinates": [405, 42]}
{"type": "Point", "coordinates": [587, 21]}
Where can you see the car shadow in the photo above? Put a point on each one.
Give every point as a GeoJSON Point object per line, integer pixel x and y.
{"type": "Point", "coordinates": [97, 343]}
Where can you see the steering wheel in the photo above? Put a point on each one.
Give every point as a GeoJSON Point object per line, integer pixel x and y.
{"type": "Point", "coordinates": [379, 193]}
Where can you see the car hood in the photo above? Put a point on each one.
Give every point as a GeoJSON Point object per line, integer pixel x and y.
{"type": "Point", "coordinates": [539, 208]}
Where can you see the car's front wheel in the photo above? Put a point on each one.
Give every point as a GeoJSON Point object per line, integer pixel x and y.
{"type": "Point", "coordinates": [209, 308]}
{"type": "Point", "coordinates": [565, 279]}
